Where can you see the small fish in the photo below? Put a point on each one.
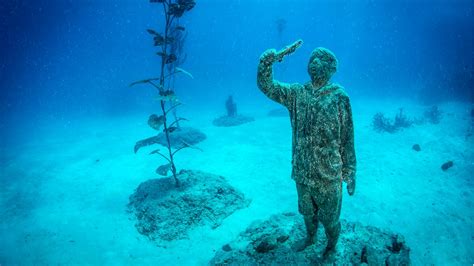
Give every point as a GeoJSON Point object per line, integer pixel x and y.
{"type": "Point", "coordinates": [181, 28]}
{"type": "Point", "coordinates": [163, 169]}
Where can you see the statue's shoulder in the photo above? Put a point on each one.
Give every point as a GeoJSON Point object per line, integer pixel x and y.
{"type": "Point", "coordinates": [338, 90]}
{"type": "Point", "coordinates": [297, 88]}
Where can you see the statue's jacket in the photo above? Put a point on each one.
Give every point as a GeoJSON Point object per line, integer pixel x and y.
{"type": "Point", "coordinates": [323, 135]}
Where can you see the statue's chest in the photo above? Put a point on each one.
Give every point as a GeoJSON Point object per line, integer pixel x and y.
{"type": "Point", "coordinates": [316, 115]}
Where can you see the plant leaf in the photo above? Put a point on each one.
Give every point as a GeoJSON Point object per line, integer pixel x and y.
{"type": "Point", "coordinates": [187, 4]}
{"type": "Point", "coordinates": [163, 169]}
{"type": "Point", "coordinates": [171, 129]}
{"type": "Point", "coordinates": [176, 10]}
{"type": "Point", "coordinates": [154, 152]}
{"type": "Point", "coordinates": [155, 121]}
{"type": "Point", "coordinates": [170, 59]}
{"type": "Point", "coordinates": [145, 142]}
{"type": "Point", "coordinates": [143, 81]}
{"type": "Point", "coordinates": [153, 32]}
{"type": "Point", "coordinates": [167, 95]}
{"type": "Point", "coordinates": [180, 70]}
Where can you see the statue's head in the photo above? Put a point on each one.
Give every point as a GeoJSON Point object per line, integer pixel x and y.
{"type": "Point", "coordinates": [322, 65]}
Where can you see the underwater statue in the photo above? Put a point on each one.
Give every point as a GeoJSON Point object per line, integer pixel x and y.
{"type": "Point", "coordinates": [323, 139]}
{"type": "Point", "coordinates": [232, 118]}
{"type": "Point", "coordinates": [231, 106]}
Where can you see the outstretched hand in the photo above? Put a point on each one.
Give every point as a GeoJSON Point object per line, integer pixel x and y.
{"type": "Point", "coordinates": [288, 50]}
{"type": "Point", "coordinates": [271, 56]}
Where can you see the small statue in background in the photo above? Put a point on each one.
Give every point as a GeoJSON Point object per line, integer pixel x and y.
{"type": "Point", "coordinates": [231, 106]}
{"type": "Point", "coordinates": [231, 119]}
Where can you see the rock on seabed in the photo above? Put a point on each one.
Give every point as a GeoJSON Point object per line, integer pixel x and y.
{"type": "Point", "coordinates": [164, 212]}
{"type": "Point", "coordinates": [271, 242]}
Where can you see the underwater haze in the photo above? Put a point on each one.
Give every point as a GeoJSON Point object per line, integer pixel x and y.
{"type": "Point", "coordinates": [75, 131]}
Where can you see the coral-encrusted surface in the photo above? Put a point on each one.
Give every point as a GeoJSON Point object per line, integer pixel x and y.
{"type": "Point", "coordinates": [166, 212]}
{"type": "Point", "coordinates": [272, 242]}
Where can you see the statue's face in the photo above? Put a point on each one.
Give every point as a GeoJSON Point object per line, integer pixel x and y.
{"type": "Point", "coordinates": [320, 75]}
{"type": "Point", "coordinates": [322, 65]}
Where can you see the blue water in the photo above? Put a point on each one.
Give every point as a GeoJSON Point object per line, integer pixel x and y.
{"type": "Point", "coordinates": [66, 66]}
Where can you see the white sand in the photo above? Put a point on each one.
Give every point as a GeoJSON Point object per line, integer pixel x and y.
{"type": "Point", "coordinates": [60, 206]}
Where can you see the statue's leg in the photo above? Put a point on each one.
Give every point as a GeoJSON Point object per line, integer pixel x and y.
{"type": "Point", "coordinates": [308, 208]}
{"type": "Point", "coordinates": [329, 198]}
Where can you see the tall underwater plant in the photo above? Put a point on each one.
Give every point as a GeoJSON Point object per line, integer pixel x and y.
{"type": "Point", "coordinates": [166, 43]}
{"type": "Point", "coordinates": [179, 35]}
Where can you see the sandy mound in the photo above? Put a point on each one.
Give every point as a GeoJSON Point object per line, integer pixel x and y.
{"type": "Point", "coordinates": [230, 121]}
{"type": "Point", "coordinates": [271, 243]}
{"type": "Point", "coordinates": [164, 212]}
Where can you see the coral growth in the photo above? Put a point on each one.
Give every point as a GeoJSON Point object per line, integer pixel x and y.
{"type": "Point", "coordinates": [384, 124]}
{"type": "Point", "coordinates": [401, 120]}
{"type": "Point", "coordinates": [166, 213]}
{"type": "Point", "coordinates": [271, 242]}
{"type": "Point", "coordinates": [433, 115]}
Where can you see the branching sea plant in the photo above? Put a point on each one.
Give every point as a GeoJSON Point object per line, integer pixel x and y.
{"type": "Point", "coordinates": [433, 115]}
{"type": "Point", "coordinates": [401, 120]}
{"type": "Point", "coordinates": [384, 124]}
{"type": "Point", "coordinates": [179, 35]}
{"type": "Point", "coordinates": [164, 84]}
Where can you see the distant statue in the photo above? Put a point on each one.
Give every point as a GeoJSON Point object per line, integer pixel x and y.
{"type": "Point", "coordinates": [231, 107]}
{"type": "Point", "coordinates": [323, 139]}
{"type": "Point", "coordinates": [231, 118]}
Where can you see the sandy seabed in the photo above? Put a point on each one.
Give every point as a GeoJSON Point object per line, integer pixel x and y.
{"type": "Point", "coordinates": [64, 191]}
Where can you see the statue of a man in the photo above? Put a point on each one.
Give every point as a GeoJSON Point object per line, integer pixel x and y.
{"type": "Point", "coordinates": [323, 139]}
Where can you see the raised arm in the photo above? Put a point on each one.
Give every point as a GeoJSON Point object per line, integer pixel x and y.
{"type": "Point", "coordinates": [275, 90]}
{"type": "Point", "coordinates": [347, 144]}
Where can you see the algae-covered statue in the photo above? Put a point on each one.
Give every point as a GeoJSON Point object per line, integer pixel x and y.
{"type": "Point", "coordinates": [323, 139]}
